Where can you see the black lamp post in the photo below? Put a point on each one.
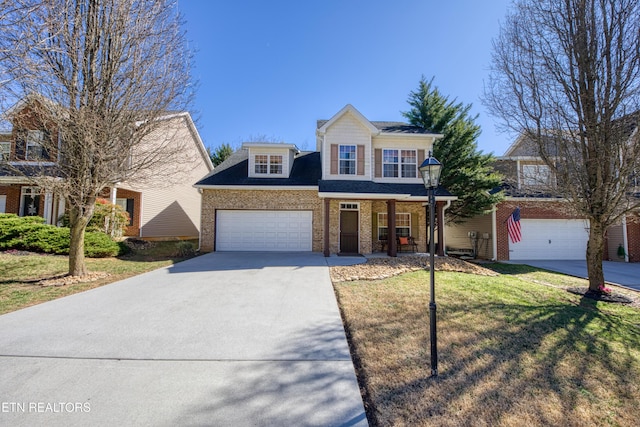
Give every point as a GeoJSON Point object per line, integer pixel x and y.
{"type": "Point", "coordinates": [430, 170]}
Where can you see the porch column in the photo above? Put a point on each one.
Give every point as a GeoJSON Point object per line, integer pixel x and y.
{"type": "Point", "coordinates": [440, 226]}
{"type": "Point", "coordinates": [114, 189]}
{"type": "Point", "coordinates": [392, 247]}
{"type": "Point", "coordinates": [327, 211]}
{"type": "Point", "coordinates": [48, 208]}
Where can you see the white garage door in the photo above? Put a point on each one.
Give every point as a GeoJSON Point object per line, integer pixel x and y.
{"type": "Point", "coordinates": [239, 230]}
{"type": "Point", "coordinates": [551, 239]}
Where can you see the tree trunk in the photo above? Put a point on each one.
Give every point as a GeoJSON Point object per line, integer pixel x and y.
{"type": "Point", "coordinates": [595, 256]}
{"type": "Point", "coordinates": [78, 224]}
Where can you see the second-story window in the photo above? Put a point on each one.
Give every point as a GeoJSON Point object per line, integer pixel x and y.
{"type": "Point", "coordinates": [535, 175]}
{"type": "Point", "coordinates": [5, 150]}
{"type": "Point", "coordinates": [399, 163]}
{"type": "Point", "coordinates": [347, 165]}
{"type": "Point", "coordinates": [268, 164]}
{"type": "Point", "coordinates": [34, 149]}
{"type": "Point", "coordinates": [275, 165]}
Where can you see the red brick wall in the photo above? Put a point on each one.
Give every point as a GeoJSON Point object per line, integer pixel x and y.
{"type": "Point", "coordinates": [528, 210]}
{"type": "Point", "coordinates": [13, 198]}
{"type": "Point", "coordinates": [633, 240]}
{"type": "Point", "coordinates": [134, 229]}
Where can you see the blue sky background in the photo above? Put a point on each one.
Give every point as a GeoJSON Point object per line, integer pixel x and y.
{"type": "Point", "coordinates": [275, 67]}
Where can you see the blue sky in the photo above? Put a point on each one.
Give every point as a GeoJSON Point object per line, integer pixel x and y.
{"type": "Point", "coordinates": [275, 67]}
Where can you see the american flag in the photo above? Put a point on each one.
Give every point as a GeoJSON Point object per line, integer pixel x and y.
{"type": "Point", "coordinates": [513, 226]}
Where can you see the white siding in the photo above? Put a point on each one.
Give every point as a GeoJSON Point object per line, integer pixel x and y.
{"type": "Point", "coordinates": [400, 143]}
{"type": "Point", "coordinates": [347, 130]}
{"type": "Point", "coordinates": [287, 161]}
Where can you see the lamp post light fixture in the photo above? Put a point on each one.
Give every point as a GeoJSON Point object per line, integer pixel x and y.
{"type": "Point", "coordinates": [430, 170]}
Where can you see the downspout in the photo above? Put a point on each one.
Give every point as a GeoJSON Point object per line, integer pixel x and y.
{"type": "Point", "coordinates": [200, 231]}
{"type": "Point", "coordinates": [494, 229]}
{"type": "Point", "coordinates": [444, 238]}
{"type": "Point", "coordinates": [625, 241]}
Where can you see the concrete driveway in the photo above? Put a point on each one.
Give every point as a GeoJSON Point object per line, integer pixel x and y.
{"type": "Point", "coordinates": [225, 339]}
{"type": "Point", "coordinates": [619, 273]}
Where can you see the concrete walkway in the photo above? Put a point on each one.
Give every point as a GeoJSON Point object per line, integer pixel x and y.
{"type": "Point", "coordinates": [225, 339]}
{"type": "Point", "coordinates": [619, 273]}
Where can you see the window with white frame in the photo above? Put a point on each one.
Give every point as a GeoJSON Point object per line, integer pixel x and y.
{"type": "Point", "coordinates": [403, 225]}
{"type": "Point", "coordinates": [347, 160]}
{"type": "Point", "coordinates": [5, 150]}
{"type": "Point", "coordinates": [399, 163]}
{"type": "Point", "coordinates": [34, 149]}
{"type": "Point", "coordinates": [268, 164]}
{"type": "Point", "coordinates": [535, 175]}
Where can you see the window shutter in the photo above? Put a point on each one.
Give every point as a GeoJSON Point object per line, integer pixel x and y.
{"type": "Point", "coordinates": [21, 144]}
{"type": "Point", "coordinates": [360, 159]}
{"type": "Point", "coordinates": [130, 203]}
{"type": "Point", "coordinates": [378, 162]}
{"type": "Point", "coordinates": [421, 156]}
{"type": "Point", "coordinates": [334, 159]}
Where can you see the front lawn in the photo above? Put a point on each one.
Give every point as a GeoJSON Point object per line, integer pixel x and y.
{"type": "Point", "coordinates": [513, 351]}
{"type": "Point", "coordinates": [21, 273]}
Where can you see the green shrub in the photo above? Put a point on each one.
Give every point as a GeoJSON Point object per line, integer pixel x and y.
{"type": "Point", "coordinates": [107, 218]}
{"type": "Point", "coordinates": [185, 249]}
{"type": "Point", "coordinates": [100, 245]}
{"type": "Point", "coordinates": [31, 234]}
{"type": "Point", "coordinates": [48, 239]}
{"type": "Point", "coordinates": [14, 229]}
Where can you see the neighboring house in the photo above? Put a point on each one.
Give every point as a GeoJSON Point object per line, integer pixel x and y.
{"type": "Point", "coordinates": [360, 189]}
{"type": "Point", "coordinates": [549, 229]}
{"type": "Point", "coordinates": [163, 210]}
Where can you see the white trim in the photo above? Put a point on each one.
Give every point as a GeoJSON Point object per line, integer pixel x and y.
{"type": "Point", "coordinates": [494, 230]}
{"type": "Point", "coordinates": [257, 187]}
{"type": "Point", "coordinates": [48, 207]}
{"type": "Point", "coordinates": [625, 238]}
{"type": "Point", "coordinates": [534, 199]}
{"type": "Point", "coordinates": [358, 116]}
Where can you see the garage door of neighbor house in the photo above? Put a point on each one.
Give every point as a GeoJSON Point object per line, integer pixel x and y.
{"type": "Point", "coordinates": [250, 230]}
{"type": "Point", "coordinates": [551, 239]}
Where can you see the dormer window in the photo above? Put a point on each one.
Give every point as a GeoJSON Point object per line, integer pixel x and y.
{"type": "Point", "coordinates": [347, 160]}
{"type": "Point", "coordinates": [268, 164]}
{"type": "Point", "coordinates": [399, 163]}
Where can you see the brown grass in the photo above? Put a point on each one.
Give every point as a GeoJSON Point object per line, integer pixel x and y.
{"type": "Point", "coordinates": [23, 277]}
{"type": "Point", "coordinates": [511, 353]}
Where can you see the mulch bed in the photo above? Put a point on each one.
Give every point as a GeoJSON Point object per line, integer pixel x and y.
{"type": "Point", "coordinates": [600, 296]}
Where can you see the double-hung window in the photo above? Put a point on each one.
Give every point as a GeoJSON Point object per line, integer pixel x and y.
{"type": "Point", "coordinates": [403, 225]}
{"type": "Point", "coordinates": [399, 163]}
{"type": "Point", "coordinates": [535, 175]}
{"type": "Point", "coordinates": [347, 160]}
{"type": "Point", "coordinates": [34, 150]}
{"type": "Point", "coordinates": [268, 164]}
{"type": "Point", "coordinates": [5, 150]}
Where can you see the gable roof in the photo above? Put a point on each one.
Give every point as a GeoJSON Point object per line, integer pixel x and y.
{"type": "Point", "coordinates": [375, 127]}
{"type": "Point", "coordinates": [305, 172]}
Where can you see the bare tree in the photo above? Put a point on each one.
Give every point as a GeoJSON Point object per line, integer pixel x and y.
{"type": "Point", "coordinates": [105, 77]}
{"type": "Point", "coordinates": [565, 74]}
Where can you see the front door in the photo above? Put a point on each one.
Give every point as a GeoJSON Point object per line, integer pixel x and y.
{"type": "Point", "coordinates": [349, 232]}
{"type": "Point", "coordinates": [30, 201]}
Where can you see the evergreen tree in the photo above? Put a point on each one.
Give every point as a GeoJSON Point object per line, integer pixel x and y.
{"type": "Point", "coordinates": [220, 154]}
{"type": "Point", "coordinates": [467, 172]}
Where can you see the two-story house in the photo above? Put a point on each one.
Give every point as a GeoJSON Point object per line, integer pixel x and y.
{"type": "Point", "coordinates": [157, 210]}
{"type": "Point", "coordinates": [359, 188]}
{"type": "Point", "coordinates": [549, 229]}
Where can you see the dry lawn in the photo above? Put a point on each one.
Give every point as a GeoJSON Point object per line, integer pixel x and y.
{"type": "Point", "coordinates": [511, 352]}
